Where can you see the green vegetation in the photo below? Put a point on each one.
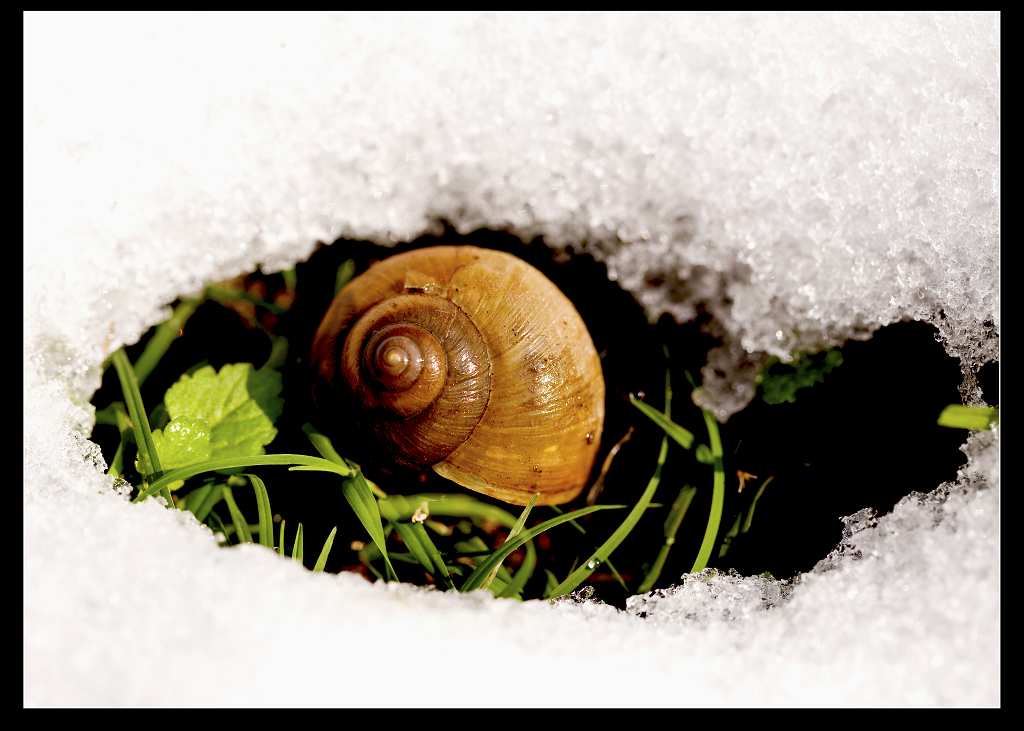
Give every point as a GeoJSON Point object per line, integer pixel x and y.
{"type": "Point", "coordinates": [203, 447]}
{"type": "Point", "coordinates": [779, 382]}
{"type": "Point", "coordinates": [975, 418]}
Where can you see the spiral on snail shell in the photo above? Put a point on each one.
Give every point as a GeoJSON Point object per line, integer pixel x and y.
{"type": "Point", "coordinates": [468, 361]}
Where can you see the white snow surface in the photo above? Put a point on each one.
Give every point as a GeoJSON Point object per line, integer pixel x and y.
{"type": "Point", "coordinates": [805, 177]}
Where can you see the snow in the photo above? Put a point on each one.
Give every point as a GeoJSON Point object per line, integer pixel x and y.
{"type": "Point", "coordinates": [806, 177]}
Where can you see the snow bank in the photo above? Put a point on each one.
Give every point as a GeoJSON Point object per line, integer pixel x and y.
{"type": "Point", "coordinates": [805, 177]}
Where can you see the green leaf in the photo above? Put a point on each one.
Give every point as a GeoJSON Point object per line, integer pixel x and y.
{"type": "Point", "coordinates": [780, 381]}
{"type": "Point", "coordinates": [280, 539]}
{"type": "Point", "coordinates": [975, 418]}
{"type": "Point", "coordinates": [237, 406]}
{"type": "Point", "coordinates": [680, 435]}
{"type": "Point", "coordinates": [321, 560]}
{"type": "Point", "coordinates": [183, 442]}
{"type": "Point", "coordinates": [484, 568]}
{"type": "Point", "coordinates": [263, 506]}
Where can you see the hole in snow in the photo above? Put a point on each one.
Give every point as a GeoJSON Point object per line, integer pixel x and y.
{"type": "Point", "coordinates": [865, 436]}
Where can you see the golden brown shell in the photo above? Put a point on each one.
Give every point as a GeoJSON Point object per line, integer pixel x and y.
{"type": "Point", "coordinates": [521, 406]}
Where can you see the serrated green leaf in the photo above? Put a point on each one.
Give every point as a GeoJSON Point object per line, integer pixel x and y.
{"type": "Point", "coordinates": [236, 406]}
{"type": "Point", "coordinates": [183, 442]}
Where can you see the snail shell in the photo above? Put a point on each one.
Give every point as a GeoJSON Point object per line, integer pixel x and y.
{"type": "Point", "coordinates": [469, 361]}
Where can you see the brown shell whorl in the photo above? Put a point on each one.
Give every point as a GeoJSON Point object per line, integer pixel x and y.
{"type": "Point", "coordinates": [406, 365]}
{"type": "Point", "coordinates": [421, 374]}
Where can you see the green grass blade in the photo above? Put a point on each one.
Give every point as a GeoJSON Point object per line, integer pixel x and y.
{"type": "Point", "coordinates": [280, 539]}
{"type": "Point", "coordinates": [734, 531]}
{"type": "Point", "coordinates": [672, 523]}
{"type": "Point", "coordinates": [608, 563]}
{"type": "Point", "coordinates": [474, 549]}
{"type": "Point", "coordinates": [213, 497]}
{"type": "Point", "coordinates": [297, 545]}
{"type": "Point", "coordinates": [196, 498]}
{"type": "Point", "coordinates": [484, 568]}
{"type": "Point", "coordinates": [604, 551]}
{"type": "Point", "coordinates": [431, 550]}
{"type": "Point", "coordinates": [516, 530]}
{"type": "Point", "coordinates": [750, 511]}
{"type": "Point", "coordinates": [359, 497]}
{"type": "Point", "coordinates": [321, 560]}
{"type": "Point", "coordinates": [263, 506]}
{"type": "Point", "coordinates": [322, 444]}
{"type": "Point", "coordinates": [229, 530]}
{"type": "Point", "coordinates": [140, 425]}
{"type": "Point", "coordinates": [325, 447]}
{"type": "Point", "coordinates": [412, 540]}
{"type": "Point", "coordinates": [263, 460]}
{"type": "Point", "coordinates": [124, 428]}
{"type": "Point", "coordinates": [223, 295]}
{"type": "Point", "coordinates": [552, 582]}
{"type": "Point", "coordinates": [278, 353]}
{"type": "Point", "coordinates": [241, 527]}
{"type": "Point", "coordinates": [162, 338]}
{"type": "Point", "coordinates": [680, 435]}
{"type": "Point", "coordinates": [975, 418]}
{"type": "Point", "coordinates": [214, 518]}
{"type": "Point", "coordinates": [514, 589]}
{"type": "Point", "coordinates": [717, 495]}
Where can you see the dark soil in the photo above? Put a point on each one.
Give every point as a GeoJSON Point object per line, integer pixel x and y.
{"type": "Point", "coordinates": [866, 436]}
